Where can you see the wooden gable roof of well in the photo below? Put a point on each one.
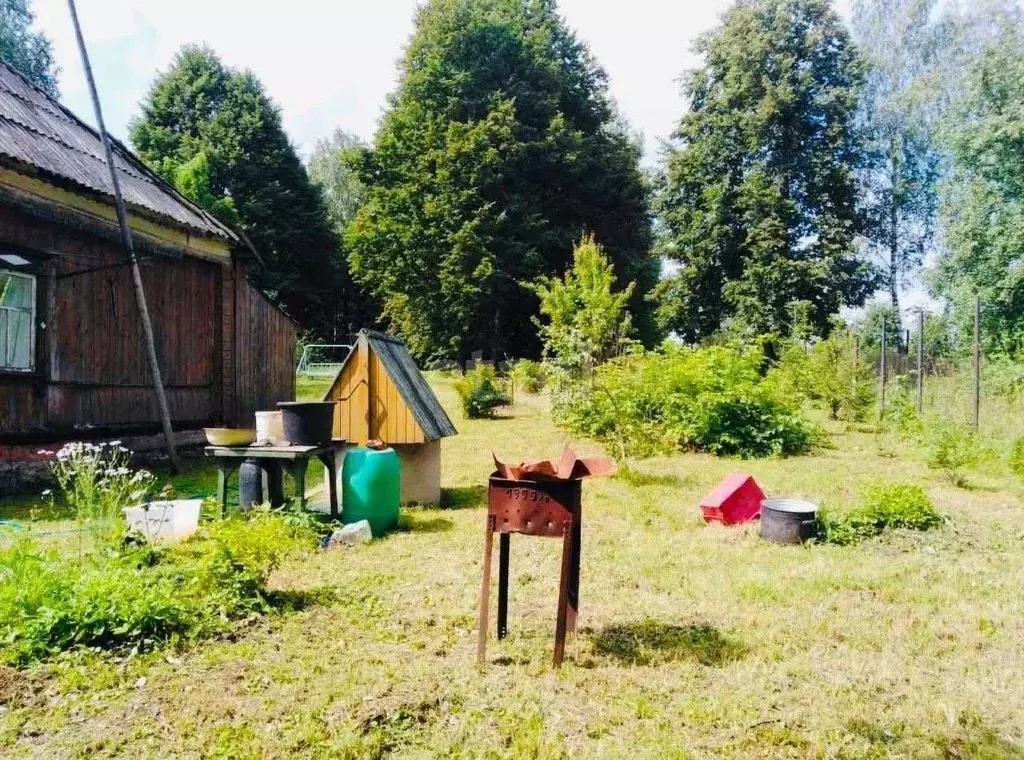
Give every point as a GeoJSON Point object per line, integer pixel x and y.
{"type": "Point", "coordinates": [38, 133]}
{"type": "Point", "coordinates": [389, 353]}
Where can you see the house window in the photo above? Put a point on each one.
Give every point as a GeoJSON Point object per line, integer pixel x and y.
{"type": "Point", "coordinates": [17, 321]}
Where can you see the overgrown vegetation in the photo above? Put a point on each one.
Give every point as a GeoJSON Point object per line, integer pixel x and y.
{"type": "Point", "coordinates": [101, 587]}
{"type": "Point", "coordinates": [529, 376]}
{"type": "Point", "coordinates": [481, 392]}
{"type": "Point", "coordinates": [138, 594]}
{"type": "Point", "coordinates": [880, 507]}
{"type": "Point", "coordinates": [715, 399]}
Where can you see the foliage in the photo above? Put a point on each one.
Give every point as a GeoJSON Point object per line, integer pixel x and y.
{"type": "Point", "coordinates": [950, 448]}
{"type": "Point", "coordinates": [29, 53]}
{"type": "Point", "coordinates": [481, 392]}
{"type": "Point", "coordinates": [192, 179]}
{"type": "Point", "coordinates": [587, 323]}
{"type": "Point", "coordinates": [869, 326]}
{"type": "Point", "coordinates": [96, 482]}
{"type": "Point", "coordinates": [828, 372]}
{"type": "Point", "coordinates": [711, 399]}
{"type": "Point", "coordinates": [881, 506]}
{"type": "Point", "coordinates": [331, 168]}
{"type": "Point", "coordinates": [901, 412]}
{"type": "Point", "coordinates": [758, 207]}
{"type": "Point", "coordinates": [903, 43]}
{"type": "Point", "coordinates": [1015, 459]}
{"type": "Point", "coordinates": [983, 197]}
{"type": "Point", "coordinates": [1003, 376]}
{"type": "Point", "coordinates": [499, 148]}
{"type": "Point", "coordinates": [529, 375]}
{"type": "Point", "coordinates": [142, 594]}
{"type": "Point", "coordinates": [201, 108]}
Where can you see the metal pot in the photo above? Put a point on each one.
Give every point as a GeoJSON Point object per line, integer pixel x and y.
{"type": "Point", "coordinates": [307, 423]}
{"type": "Point", "coordinates": [788, 521]}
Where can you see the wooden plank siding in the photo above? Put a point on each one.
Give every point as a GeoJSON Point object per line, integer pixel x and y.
{"type": "Point", "coordinates": [370, 405]}
{"type": "Point", "coordinates": [224, 350]}
{"type": "Point", "coordinates": [264, 353]}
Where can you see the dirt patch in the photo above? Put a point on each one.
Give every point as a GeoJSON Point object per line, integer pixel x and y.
{"type": "Point", "coordinates": [13, 685]}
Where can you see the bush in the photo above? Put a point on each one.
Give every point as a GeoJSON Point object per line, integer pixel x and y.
{"type": "Point", "coordinates": [1016, 458]}
{"type": "Point", "coordinates": [529, 375]}
{"type": "Point", "coordinates": [481, 392]}
{"type": "Point", "coordinates": [140, 593]}
{"type": "Point", "coordinates": [881, 506]}
{"type": "Point", "coordinates": [827, 373]}
{"type": "Point", "coordinates": [950, 448]}
{"type": "Point", "coordinates": [712, 399]}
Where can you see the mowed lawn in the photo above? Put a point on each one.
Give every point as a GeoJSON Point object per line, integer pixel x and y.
{"type": "Point", "coordinates": [694, 641]}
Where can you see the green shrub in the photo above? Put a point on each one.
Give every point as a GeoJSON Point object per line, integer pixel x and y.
{"type": "Point", "coordinates": [881, 506]}
{"type": "Point", "coordinates": [901, 412]}
{"type": "Point", "coordinates": [827, 373]}
{"type": "Point", "coordinates": [712, 399]}
{"type": "Point", "coordinates": [481, 392]}
{"type": "Point", "coordinates": [529, 375]}
{"type": "Point", "coordinates": [1016, 458]}
{"type": "Point", "coordinates": [141, 593]}
{"type": "Point", "coordinates": [950, 448]}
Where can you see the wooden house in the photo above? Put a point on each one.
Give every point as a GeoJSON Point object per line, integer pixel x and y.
{"type": "Point", "coordinates": [72, 358]}
{"type": "Point", "coordinates": [382, 395]}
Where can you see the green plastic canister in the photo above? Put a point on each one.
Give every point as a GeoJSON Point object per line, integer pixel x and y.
{"type": "Point", "coordinates": [370, 488]}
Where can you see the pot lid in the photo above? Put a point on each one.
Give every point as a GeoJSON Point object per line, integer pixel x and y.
{"type": "Point", "coordinates": [789, 505]}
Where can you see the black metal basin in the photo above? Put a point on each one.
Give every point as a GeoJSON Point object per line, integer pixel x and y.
{"type": "Point", "coordinates": [307, 423]}
{"type": "Point", "coordinates": [788, 521]}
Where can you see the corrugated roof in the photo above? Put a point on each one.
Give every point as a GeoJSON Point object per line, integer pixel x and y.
{"type": "Point", "coordinates": [37, 130]}
{"type": "Point", "coordinates": [415, 390]}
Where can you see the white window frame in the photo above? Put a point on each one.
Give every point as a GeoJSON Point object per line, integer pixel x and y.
{"type": "Point", "coordinates": [31, 311]}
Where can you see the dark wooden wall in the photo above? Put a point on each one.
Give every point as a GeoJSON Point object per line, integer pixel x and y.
{"type": "Point", "coordinates": [92, 373]}
{"type": "Point", "coordinates": [264, 353]}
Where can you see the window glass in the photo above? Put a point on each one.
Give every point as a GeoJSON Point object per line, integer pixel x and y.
{"type": "Point", "coordinates": [15, 291]}
{"type": "Point", "coordinates": [17, 321]}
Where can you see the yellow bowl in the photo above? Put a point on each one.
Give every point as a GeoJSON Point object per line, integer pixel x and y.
{"type": "Point", "coordinates": [229, 436]}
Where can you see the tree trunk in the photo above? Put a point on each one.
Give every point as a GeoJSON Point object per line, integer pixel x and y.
{"type": "Point", "coordinates": [895, 263]}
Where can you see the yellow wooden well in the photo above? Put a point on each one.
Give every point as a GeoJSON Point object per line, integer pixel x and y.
{"type": "Point", "coordinates": [381, 395]}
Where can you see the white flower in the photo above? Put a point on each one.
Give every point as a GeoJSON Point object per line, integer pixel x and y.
{"type": "Point", "coordinates": [47, 492]}
{"type": "Point", "coordinates": [115, 443]}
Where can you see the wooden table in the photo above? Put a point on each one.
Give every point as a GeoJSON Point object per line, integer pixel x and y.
{"type": "Point", "coordinates": [274, 460]}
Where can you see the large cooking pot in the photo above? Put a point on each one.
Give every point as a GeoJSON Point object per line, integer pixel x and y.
{"type": "Point", "coordinates": [307, 423]}
{"type": "Point", "coordinates": [788, 521]}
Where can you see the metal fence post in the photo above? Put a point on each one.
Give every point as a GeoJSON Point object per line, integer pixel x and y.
{"type": "Point", "coordinates": [920, 361]}
{"type": "Point", "coordinates": [977, 363]}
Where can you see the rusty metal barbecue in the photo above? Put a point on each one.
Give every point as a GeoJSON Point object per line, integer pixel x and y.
{"type": "Point", "coordinates": [537, 499]}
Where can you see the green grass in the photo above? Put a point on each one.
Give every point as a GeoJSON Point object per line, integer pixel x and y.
{"type": "Point", "coordinates": [694, 640]}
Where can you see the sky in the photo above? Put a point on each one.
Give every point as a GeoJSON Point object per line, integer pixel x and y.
{"type": "Point", "coordinates": [332, 63]}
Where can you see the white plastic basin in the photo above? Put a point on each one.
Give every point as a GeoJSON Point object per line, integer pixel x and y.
{"type": "Point", "coordinates": [165, 520]}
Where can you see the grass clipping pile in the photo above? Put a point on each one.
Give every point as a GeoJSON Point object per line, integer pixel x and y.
{"type": "Point", "coordinates": [136, 594]}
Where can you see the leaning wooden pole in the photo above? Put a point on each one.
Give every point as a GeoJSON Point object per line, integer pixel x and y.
{"type": "Point", "coordinates": [126, 239]}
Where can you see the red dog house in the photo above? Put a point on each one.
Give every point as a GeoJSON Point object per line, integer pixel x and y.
{"type": "Point", "coordinates": [736, 499]}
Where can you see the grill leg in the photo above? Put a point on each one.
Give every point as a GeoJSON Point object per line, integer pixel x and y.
{"type": "Point", "coordinates": [485, 593]}
{"type": "Point", "coordinates": [504, 544]}
{"type": "Point", "coordinates": [563, 594]}
{"type": "Point", "coordinates": [574, 577]}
